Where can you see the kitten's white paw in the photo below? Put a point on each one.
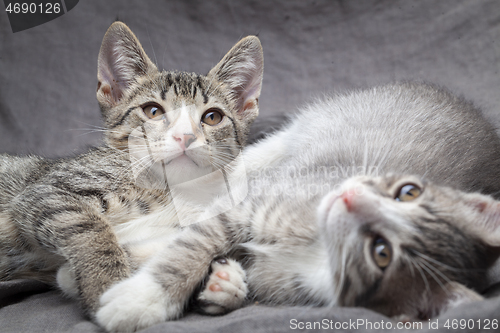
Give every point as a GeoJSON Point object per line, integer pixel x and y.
{"type": "Point", "coordinates": [135, 303]}
{"type": "Point", "coordinates": [226, 288]}
{"type": "Point", "coordinates": [67, 282]}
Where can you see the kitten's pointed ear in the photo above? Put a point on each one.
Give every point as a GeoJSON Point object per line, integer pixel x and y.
{"type": "Point", "coordinates": [485, 222]}
{"type": "Point", "coordinates": [121, 60]}
{"type": "Point", "coordinates": [242, 69]}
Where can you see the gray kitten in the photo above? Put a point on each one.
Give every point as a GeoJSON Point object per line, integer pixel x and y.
{"type": "Point", "coordinates": [304, 236]}
{"type": "Point", "coordinates": [94, 218]}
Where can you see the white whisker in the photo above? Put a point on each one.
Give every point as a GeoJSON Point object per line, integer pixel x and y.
{"type": "Point", "coordinates": [431, 273]}
{"type": "Point", "coordinates": [424, 278]}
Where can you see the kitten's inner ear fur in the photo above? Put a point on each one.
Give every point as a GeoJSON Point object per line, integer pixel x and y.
{"type": "Point", "coordinates": [121, 60]}
{"type": "Point", "coordinates": [241, 70]}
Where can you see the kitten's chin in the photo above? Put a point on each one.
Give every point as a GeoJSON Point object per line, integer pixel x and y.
{"type": "Point", "coordinates": [182, 161]}
{"type": "Point", "coordinates": [183, 169]}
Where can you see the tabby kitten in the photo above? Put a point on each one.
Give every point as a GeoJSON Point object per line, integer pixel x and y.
{"type": "Point", "coordinates": [382, 237]}
{"type": "Point", "coordinates": [403, 246]}
{"type": "Point", "coordinates": [94, 218]}
{"type": "Point", "coordinates": [300, 245]}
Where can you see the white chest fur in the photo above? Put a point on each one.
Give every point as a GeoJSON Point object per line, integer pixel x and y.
{"type": "Point", "coordinates": [145, 235]}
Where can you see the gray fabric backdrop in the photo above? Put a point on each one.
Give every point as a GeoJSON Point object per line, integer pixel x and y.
{"type": "Point", "coordinates": [48, 73]}
{"type": "Point", "coordinates": [48, 83]}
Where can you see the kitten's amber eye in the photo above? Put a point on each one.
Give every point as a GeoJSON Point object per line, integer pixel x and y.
{"type": "Point", "coordinates": [381, 252]}
{"type": "Point", "coordinates": [212, 117]}
{"type": "Point", "coordinates": [408, 192]}
{"type": "Point", "coordinates": [152, 111]}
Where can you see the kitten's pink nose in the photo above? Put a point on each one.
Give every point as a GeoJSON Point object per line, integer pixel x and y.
{"type": "Point", "coordinates": [348, 197]}
{"type": "Point", "coordinates": [184, 140]}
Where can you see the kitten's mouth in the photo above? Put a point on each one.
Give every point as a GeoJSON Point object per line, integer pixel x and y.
{"type": "Point", "coordinates": [181, 158]}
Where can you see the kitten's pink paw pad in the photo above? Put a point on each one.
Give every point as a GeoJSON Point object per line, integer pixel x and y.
{"type": "Point", "coordinates": [223, 275]}
{"type": "Point", "coordinates": [215, 287]}
{"type": "Point", "coordinates": [225, 289]}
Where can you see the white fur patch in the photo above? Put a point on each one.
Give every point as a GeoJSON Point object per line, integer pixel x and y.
{"type": "Point", "coordinates": [66, 281]}
{"type": "Point", "coordinates": [256, 158]}
{"type": "Point", "coordinates": [136, 303]}
{"type": "Point", "coordinates": [160, 223]}
{"type": "Point", "coordinates": [233, 288]}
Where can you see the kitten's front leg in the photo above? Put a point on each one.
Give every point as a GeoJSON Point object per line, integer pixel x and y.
{"type": "Point", "coordinates": [136, 303]}
{"type": "Point", "coordinates": [161, 289]}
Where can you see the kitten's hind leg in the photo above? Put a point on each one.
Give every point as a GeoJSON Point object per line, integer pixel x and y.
{"type": "Point", "coordinates": [57, 223]}
{"type": "Point", "coordinates": [225, 289]}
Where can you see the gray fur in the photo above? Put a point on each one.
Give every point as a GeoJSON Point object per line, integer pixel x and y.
{"type": "Point", "coordinates": [292, 257]}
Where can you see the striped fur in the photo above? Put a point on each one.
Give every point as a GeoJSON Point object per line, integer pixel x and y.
{"type": "Point", "coordinates": [296, 253]}
{"type": "Point", "coordinates": [88, 216]}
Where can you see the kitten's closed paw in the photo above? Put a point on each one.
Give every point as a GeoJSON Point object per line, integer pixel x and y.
{"type": "Point", "coordinates": [225, 289]}
{"type": "Point", "coordinates": [67, 282]}
{"type": "Point", "coordinates": [135, 303]}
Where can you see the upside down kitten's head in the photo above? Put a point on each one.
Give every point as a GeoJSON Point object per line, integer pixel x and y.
{"type": "Point", "coordinates": [188, 124]}
{"type": "Point", "coordinates": [402, 246]}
